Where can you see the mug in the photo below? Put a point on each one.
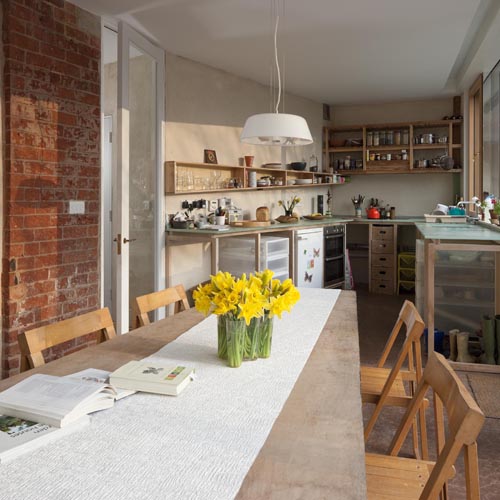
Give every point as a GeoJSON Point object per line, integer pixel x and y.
{"type": "Point", "coordinates": [220, 220]}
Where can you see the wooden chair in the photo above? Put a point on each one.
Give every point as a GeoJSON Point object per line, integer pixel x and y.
{"type": "Point", "coordinates": [152, 301]}
{"type": "Point", "coordinates": [406, 478]}
{"type": "Point", "coordinates": [383, 386]}
{"type": "Point", "coordinates": [33, 342]}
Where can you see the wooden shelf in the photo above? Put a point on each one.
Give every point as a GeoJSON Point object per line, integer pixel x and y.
{"type": "Point", "coordinates": [393, 147]}
{"type": "Point", "coordinates": [452, 148]}
{"type": "Point", "coordinates": [346, 149]}
{"type": "Point", "coordinates": [408, 170]}
{"type": "Point", "coordinates": [431, 146]}
{"type": "Point", "coordinates": [204, 172]}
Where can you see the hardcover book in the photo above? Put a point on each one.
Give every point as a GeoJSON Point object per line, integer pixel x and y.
{"type": "Point", "coordinates": [19, 436]}
{"type": "Point", "coordinates": [152, 377]}
{"type": "Point", "coordinates": [55, 401]}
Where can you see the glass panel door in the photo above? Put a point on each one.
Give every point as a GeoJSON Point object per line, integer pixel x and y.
{"type": "Point", "coordinates": [137, 193]}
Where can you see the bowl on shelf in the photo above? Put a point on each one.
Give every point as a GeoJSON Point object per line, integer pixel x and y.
{"type": "Point", "coordinates": [298, 165]}
{"type": "Point", "coordinates": [303, 181]}
{"type": "Point", "coordinates": [290, 182]}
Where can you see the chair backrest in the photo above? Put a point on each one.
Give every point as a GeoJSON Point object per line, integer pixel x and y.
{"type": "Point", "coordinates": [465, 420]}
{"type": "Point", "coordinates": [152, 301]}
{"type": "Point", "coordinates": [411, 349]}
{"type": "Point", "coordinates": [33, 342]}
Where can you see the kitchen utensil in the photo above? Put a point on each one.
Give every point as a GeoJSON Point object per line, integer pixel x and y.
{"type": "Point", "coordinates": [372, 213]}
{"type": "Point", "coordinates": [427, 138]}
{"type": "Point", "coordinates": [421, 163]}
{"type": "Point", "coordinates": [298, 165]}
{"type": "Point", "coordinates": [262, 214]}
{"type": "Point", "coordinates": [447, 162]}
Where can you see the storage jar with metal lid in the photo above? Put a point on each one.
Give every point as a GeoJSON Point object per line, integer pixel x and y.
{"type": "Point", "coordinates": [397, 137]}
{"type": "Point", "coordinates": [389, 137]}
{"type": "Point", "coordinates": [369, 139]}
{"type": "Point", "coordinates": [376, 139]}
{"type": "Point", "coordinates": [405, 136]}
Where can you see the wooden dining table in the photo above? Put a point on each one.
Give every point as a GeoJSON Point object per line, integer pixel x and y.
{"type": "Point", "coordinates": [315, 449]}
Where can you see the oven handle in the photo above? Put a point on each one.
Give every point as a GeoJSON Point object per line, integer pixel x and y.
{"type": "Point", "coordinates": [333, 236]}
{"type": "Point", "coordinates": [330, 259]}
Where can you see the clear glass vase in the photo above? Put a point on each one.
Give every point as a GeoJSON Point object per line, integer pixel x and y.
{"type": "Point", "coordinates": [236, 330]}
{"type": "Point", "coordinates": [266, 336]}
{"type": "Point", "coordinates": [252, 339]}
{"type": "Point", "coordinates": [221, 337]}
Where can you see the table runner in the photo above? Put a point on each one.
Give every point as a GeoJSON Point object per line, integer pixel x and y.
{"type": "Point", "coordinates": [199, 445]}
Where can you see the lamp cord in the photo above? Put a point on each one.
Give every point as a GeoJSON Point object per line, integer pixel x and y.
{"type": "Point", "coordinates": [277, 63]}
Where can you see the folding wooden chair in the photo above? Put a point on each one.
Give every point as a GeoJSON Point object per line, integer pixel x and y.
{"type": "Point", "coordinates": [383, 386]}
{"type": "Point", "coordinates": [152, 301]}
{"type": "Point", "coordinates": [391, 477]}
{"type": "Point", "coordinates": [33, 342]}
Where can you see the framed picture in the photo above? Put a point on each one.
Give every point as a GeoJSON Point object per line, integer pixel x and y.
{"type": "Point", "coordinates": [210, 156]}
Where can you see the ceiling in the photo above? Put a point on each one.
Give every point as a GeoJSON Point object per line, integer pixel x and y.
{"type": "Point", "coordinates": [335, 51]}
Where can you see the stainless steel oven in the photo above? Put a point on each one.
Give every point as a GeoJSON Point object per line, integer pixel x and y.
{"type": "Point", "coordinates": [334, 251]}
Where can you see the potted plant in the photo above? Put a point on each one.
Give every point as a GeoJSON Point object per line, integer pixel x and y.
{"type": "Point", "coordinates": [495, 212]}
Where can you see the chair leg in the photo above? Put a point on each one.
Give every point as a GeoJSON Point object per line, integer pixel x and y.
{"type": "Point", "coordinates": [471, 472]}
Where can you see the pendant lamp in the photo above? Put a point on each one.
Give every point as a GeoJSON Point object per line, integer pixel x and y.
{"type": "Point", "coordinates": [276, 129]}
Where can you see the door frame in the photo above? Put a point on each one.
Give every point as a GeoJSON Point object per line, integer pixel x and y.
{"type": "Point", "coordinates": [120, 310]}
{"type": "Point", "coordinates": [475, 140]}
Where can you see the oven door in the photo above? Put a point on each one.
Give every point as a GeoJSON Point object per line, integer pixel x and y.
{"type": "Point", "coordinates": [334, 271]}
{"type": "Point", "coordinates": [334, 245]}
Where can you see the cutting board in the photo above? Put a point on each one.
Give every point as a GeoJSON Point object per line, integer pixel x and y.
{"type": "Point", "coordinates": [250, 223]}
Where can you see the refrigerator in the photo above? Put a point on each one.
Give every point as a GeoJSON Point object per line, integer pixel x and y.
{"type": "Point", "coordinates": [309, 258]}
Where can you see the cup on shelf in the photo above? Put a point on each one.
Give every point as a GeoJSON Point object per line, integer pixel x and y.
{"type": "Point", "coordinates": [248, 161]}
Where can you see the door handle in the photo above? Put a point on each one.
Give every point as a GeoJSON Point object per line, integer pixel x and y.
{"type": "Point", "coordinates": [118, 240]}
{"type": "Point", "coordinates": [125, 240]}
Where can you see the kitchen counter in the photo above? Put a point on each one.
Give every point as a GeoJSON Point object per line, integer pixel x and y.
{"type": "Point", "coordinates": [232, 231]}
{"type": "Point", "coordinates": [457, 232]}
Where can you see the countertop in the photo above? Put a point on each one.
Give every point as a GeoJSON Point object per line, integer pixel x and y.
{"type": "Point", "coordinates": [302, 224]}
{"type": "Point", "coordinates": [458, 232]}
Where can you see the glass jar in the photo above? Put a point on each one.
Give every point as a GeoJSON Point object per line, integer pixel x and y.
{"type": "Point", "coordinates": [376, 139]}
{"type": "Point", "coordinates": [369, 139]}
{"type": "Point", "coordinates": [389, 138]}
{"type": "Point", "coordinates": [404, 155]}
{"type": "Point", "coordinates": [397, 137]}
{"type": "Point", "coordinates": [405, 137]}
{"type": "Point", "coordinates": [382, 139]}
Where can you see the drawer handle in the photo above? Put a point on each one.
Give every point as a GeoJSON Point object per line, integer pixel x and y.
{"type": "Point", "coordinates": [382, 272]}
{"type": "Point", "coordinates": [383, 258]}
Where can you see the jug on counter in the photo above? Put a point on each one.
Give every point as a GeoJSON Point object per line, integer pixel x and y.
{"type": "Point", "coordinates": [373, 213]}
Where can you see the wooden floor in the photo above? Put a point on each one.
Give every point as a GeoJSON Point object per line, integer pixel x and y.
{"type": "Point", "coordinates": [376, 315]}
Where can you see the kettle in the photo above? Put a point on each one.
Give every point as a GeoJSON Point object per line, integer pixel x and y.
{"type": "Point", "coordinates": [373, 213]}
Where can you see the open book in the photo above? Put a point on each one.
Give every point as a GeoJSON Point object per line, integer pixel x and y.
{"type": "Point", "coordinates": [18, 436]}
{"type": "Point", "coordinates": [152, 377]}
{"type": "Point", "coordinates": [93, 375]}
{"type": "Point", "coordinates": [56, 401]}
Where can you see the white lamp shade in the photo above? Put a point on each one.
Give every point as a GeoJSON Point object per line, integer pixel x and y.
{"type": "Point", "coordinates": [276, 129]}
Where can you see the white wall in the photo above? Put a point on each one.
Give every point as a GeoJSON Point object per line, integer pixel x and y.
{"type": "Point", "coordinates": [206, 108]}
{"type": "Point", "coordinates": [410, 194]}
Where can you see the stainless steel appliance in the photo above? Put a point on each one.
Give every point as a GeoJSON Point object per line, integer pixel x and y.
{"type": "Point", "coordinates": [334, 250]}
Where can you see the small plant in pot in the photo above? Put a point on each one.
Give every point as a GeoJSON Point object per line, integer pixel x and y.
{"type": "Point", "coordinates": [495, 212]}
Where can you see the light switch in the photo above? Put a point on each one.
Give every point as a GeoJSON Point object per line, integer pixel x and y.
{"type": "Point", "coordinates": [76, 207]}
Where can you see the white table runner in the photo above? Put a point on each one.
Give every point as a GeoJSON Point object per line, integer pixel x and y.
{"type": "Point", "coordinates": [199, 445]}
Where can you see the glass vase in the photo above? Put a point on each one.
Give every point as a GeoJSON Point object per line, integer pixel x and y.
{"type": "Point", "coordinates": [266, 336]}
{"type": "Point", "coordinates": [236, 330]}
{"type": "Point", "coordinates": [252, 339]}
{"type": "Point", "coordinates": [221, 337]}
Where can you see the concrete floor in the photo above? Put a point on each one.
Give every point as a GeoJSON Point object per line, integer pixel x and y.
{"type": "Point", "coordinates": [377, 315]}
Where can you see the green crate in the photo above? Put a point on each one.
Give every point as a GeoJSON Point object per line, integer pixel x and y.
{"type": "Point", "coordinates": [406, 286]}
{"type": "Point", "coordinates": [406, 274]}
{"type": "Point", "coordinates": [406, 260]}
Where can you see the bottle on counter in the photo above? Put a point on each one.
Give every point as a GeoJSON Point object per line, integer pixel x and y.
{"type": "Point", "coordinates": [393, 212]}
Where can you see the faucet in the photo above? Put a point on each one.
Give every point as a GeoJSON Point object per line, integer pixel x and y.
{"type": "Point", "coordinates": [477, 204]}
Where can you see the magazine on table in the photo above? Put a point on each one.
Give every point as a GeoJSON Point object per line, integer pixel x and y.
{"type": "Point", "coordinates": [56, 401]}
{"type": "Point", "coordinates": [149, 376]}
{"type": "Point", "coordinates": [19, 436]}
{"type": "Point", "coordinates": [93, 375]}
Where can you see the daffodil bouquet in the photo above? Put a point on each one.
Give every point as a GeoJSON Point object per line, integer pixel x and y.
{"type": "Point", "coordinates": [253, 302]}
{"type": "Point", "coordinates": [289, 205]}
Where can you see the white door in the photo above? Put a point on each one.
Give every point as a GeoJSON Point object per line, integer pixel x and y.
{"type": "Point", "coordinates": [138, 229]}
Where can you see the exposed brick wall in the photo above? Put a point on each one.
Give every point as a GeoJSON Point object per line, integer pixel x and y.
{"type": "Point", "coordinates": [51, 155]}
